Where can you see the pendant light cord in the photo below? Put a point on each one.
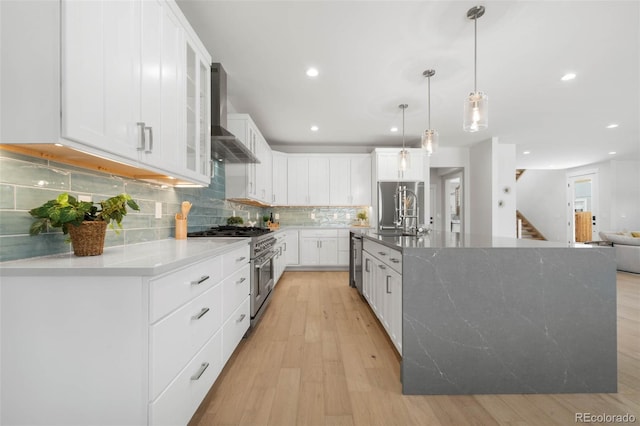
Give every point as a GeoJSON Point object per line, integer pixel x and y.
{"type": "Point", "coordinates": [403, 107]}
{"type": "Point", "coordinates": [429, 102]}
{"type": "Point", "coordinates": [475, 53]}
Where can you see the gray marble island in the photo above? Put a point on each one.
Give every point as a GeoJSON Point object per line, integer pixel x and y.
{"type": "Point", "coordinates": [484, 315]}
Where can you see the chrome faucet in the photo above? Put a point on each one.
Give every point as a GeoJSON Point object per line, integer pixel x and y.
{"type": "Point", "coordinates": [407, 210]}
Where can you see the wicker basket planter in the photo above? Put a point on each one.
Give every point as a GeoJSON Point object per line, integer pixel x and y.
{"type": "Point", "coordinates": [88, 238]}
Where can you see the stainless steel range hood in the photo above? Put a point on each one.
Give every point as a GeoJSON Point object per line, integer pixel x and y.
{"type": "Point", "coordinates": [224, 144]}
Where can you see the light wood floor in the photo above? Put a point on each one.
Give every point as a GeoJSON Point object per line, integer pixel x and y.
{"type": "Point", "coordinates": [319, 357]}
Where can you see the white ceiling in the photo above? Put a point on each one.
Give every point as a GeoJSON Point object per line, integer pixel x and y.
{"type": "Point", "coordinates": [371, 55]}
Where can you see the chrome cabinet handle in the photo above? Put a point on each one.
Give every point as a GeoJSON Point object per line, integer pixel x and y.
{"type": "Point", "coordinates": [366, 265]}
{"type": "Point", "coordinates": [382, 253]}
{"type": "Point", "coordinates": [382, 267]}
{"type": "Point", "coordinates": [241, 318]}
{"type": "Point", "coordinates": [240, 259]}
{"type": "Point", "coordinates": [241, 280]}
{"type": "Point", "coordinates": [285, 246]}
{"type": "Point", "coordinates": [201, 280]}
{"type": "Point", "coordinates": [394, 260]}
{"type": "Point", "coordinates": [142, 145]}
{"type": "Point", "coordinates": [388, 291]}
{"type": "Point", "coordinates": [150, 129]}
{"type": "Point", "coordinates": [202, 313]}
{"type": "Point", "coordinates": [200, 371]}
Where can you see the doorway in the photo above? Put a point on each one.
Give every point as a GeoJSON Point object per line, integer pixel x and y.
{"type": "Point", "coordinates": [583, 207]}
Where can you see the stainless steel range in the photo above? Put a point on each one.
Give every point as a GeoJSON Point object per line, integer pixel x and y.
{"type": "Point", "coordinates": [262, 254]}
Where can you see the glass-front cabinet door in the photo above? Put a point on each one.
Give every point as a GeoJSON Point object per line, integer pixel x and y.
{"type": "Point", "coordinates": [198, 94]}
{"type": "Point", "coordinates": [204, 134]}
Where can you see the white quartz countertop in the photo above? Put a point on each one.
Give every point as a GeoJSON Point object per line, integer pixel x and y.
{"type": "Point", "coordinates": [438, 240]}
{"type": "Point", "coordinates": [146, 259]}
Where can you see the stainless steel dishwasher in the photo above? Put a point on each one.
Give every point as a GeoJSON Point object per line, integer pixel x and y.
{"type": "Point", "coordinates": [355, 262]}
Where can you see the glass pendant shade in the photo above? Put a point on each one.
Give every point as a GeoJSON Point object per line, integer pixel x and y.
{"type": "Point", "coordinates": [476, 112]}
{"type": "Point", "coordinates": [430, 141]}
{"type": "Point", "coordinates": [404, 160]}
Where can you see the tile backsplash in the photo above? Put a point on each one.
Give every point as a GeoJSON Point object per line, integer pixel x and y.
{"type": "Point", "coordinates": [27, 182]}
{"type": "Point", "coordinates": [317, 216]}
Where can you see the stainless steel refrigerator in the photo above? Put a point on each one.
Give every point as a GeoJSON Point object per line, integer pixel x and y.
{"type": "Point", "coordinates": [387, 203]}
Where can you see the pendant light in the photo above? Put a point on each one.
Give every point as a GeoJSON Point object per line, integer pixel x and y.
{"type": "Point", "coordinates": [476, 105]}
{"type": "Point", "coordinates": [429, 136]}
{"type": "Point", "coordinates": [404, 159]}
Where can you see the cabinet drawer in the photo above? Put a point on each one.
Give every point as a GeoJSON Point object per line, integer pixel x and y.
{"type": "Point", "coordinates": [235, 289]}
{"type": "Point", "coordinates": [389, 256]}
{"type": "Point", "coordinates": [319, 233]}
{"type": "Point", "coordinates": [234, 329]}
{"type": "Point", "coordinates": [233, 261]}
{"type": "Point", "coordinates": [181, 399]}
{"type": "Point", "coordinates": [176, 288]}
{"type": "Point", "coordinates": [176, 338]}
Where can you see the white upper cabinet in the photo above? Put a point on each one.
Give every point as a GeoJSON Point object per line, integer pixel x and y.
{"type": "Point", "coordinates": [101, 74]}
{"type": "Point", "coordinates": [387, 165]}
{"type": "Point", "coordinates": [252, 181]}
{"type": "Point", "coordinates": [279, 178]}
{"type": "Point", "coordinates": [308, 180]}
{"type": "Point", "coordinates": [162, 69]}
{"type": "Point", "coordinates": [114, 77]}
{"type": "Point", "coordinates": [197, 150]}
{"type": "Point", "coordinates": [350, 180]}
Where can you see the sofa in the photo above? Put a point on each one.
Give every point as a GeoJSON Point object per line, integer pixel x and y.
{"type": "Point", "coordinates": [627, 245]}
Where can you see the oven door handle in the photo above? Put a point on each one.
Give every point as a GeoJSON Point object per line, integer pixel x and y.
{"type": "Point", "coordinates": [265, 262]}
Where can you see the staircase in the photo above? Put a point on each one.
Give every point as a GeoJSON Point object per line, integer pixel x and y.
{"type": "Point", "coordinates": [528, 230]}
{"type": "Point", "coordinates": [519, 173]}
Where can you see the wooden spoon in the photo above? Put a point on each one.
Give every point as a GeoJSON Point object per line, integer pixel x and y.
{"type": "Point", "coordinates": [185, 207]}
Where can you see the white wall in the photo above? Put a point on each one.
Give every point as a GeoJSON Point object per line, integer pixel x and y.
{"type": "Point", "coordinates": [480, 191]}
{"type": "Point", "coordinates": [619, 193]}
{"type": "Point", "coordinates": [625, 194]}
{"type": "Point", "coordinates": [444, 161]}
{"type": "Point", "coordinates": [541, 198]}
{"type": "Point", "coordinates": [504, 190]}
{"type": "Point", "coordinates": [493, 189]}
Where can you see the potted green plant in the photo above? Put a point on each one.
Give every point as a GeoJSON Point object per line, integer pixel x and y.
{"type": "Point", "coordinates": [85, 222]}
{"type": "Point", "coordinates": [235, 220]}
{"type": "Point", "coordinates": [362, 217]}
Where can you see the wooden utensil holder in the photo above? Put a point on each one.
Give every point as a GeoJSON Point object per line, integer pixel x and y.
{"type": "Point", "coordinates": [181, 229]}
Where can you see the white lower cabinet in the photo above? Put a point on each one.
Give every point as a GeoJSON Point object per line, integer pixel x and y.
{"type": "Point", "coordinates": [234, 328]}
{"type": "Point", "coordinates": [343, 247]}
{"type": "Point", "coordinates": [280, 258]}
{"type": "Point", "coordinates": [176, 338]}
{"type": "Point", "coordinates": [181, 398]}
{"type": "Point", "coordinates": [382, 287]}
{"type": "Point", "coordinates": [319, 247]}
{"type": "Point", "coordinates": [291, 248]}
{"type": "Point", "coordinates": [105, 350]}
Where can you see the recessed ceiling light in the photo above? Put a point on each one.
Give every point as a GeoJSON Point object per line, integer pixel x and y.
{"type": "Point", "coordinates": [526, 152]}
{"type": "Point", "coordinates": [612, 153]}
{"type": "Point", "coordinates": [394, 129]}
{"type": "Point", "coordinates": [314, 128]}
{"type": "Point", "coordinates": [568, 76]}
{"type": "Point", "coordinates": [312, 72]}
{"type": "Point", "coordinates": [612, 126]}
